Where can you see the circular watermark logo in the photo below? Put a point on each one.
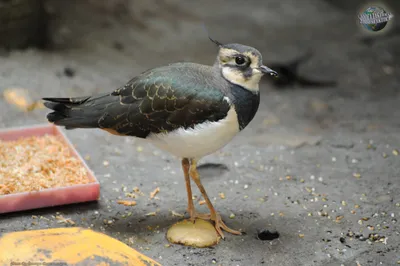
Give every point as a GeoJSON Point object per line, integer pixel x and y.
{"type": "Point", "coordinates": [374, 18]}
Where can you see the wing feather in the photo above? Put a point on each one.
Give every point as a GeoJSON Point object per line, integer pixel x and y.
{"type": "Point", "coordinates": [162, 100]}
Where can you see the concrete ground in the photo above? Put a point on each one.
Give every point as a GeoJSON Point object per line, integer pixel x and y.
{"type": "Point", "coordinates": [317, 165]}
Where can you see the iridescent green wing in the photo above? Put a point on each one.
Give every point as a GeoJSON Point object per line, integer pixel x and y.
{"type": "Point", "coordinates": [162, 100]}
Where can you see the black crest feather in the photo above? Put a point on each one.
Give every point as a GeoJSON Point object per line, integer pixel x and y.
{"type": "Point", "coordinates": [211, 39]}
{"type": "Point", "coordinates": [215, 41]}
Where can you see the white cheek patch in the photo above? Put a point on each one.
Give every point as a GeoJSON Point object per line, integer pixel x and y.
{"type": "Point", "coordinates": [254, 60]}
{"type": "Point", "coordinates": [237, 78]}
{"type": "Point", "coordinates": [256, 71]}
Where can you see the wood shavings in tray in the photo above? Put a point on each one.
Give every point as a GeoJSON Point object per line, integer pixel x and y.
{"type": "Point", "coordinates": [36, 163]}
{"type": "Point", "coordinates": [39, 167]}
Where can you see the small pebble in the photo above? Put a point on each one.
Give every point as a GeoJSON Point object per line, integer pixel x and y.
{"type": "Point", "coordinates": [323, 213]}
{"type": "Point", "coordinates": [333, 159]}
{"type": "Point", "coordinates": [232, 216]}
{"type": "Point", "coordinates": [174, 213]}
{"type": "Point", "coordinates": [69, 72]}
{"type": "Point", "coordinates": [320, 179]}
{"type": "Point", "coordinates": [246, 186]}
{"type": "Point", "coordinates": [106, 163]}
{"type": "Point", "coordinates": [388, 70]}
{"type": "Point", "coordinates": [350, 234]}
{"type": "Point", "coordinates": [357, 175]}
{"type": "Point", "coordinates": [354, 161]}
{"type": "Point", "coordinates": [395, 152]}
{"type": "Point", "coordinates": [312, 177]}
{"type": "Point", "coordinates": [339, 218]}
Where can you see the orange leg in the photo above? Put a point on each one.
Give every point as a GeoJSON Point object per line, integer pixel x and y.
{"type": "Point", "coordinates": [214, 216]}
{"type": "Point", "coordinates": [191, 210]}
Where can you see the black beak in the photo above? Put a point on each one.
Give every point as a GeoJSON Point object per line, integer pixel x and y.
{"type": "Point", "coordinates": [267, 70]}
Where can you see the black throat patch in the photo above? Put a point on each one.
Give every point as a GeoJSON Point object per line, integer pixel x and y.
{"type": "Point", "coordinates": [246, 104]}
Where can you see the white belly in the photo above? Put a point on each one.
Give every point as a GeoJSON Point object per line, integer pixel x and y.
{"type": "Point", "coordinates": [203, 140]}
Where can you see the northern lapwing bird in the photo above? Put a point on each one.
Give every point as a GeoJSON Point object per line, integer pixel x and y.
{"type": "Point", "coordinates": [187, 109]}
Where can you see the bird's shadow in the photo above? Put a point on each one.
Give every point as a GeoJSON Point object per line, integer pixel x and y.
{"type": "Point", "coordinates": [212, 170]}
{"type": "Point", "coordinates": [140, 224]}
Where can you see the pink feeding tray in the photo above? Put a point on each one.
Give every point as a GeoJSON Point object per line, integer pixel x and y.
{"type": "Point", "coordinates": [52, 196]}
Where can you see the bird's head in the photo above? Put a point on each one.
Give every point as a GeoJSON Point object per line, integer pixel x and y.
{"type": "Point", "coordinates": [241, 65]}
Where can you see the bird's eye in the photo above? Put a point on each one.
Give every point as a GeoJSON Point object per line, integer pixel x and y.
{"type": "Point", "coordinates": [240, 60]}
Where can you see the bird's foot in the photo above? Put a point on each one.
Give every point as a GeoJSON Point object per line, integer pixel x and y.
{"type": "Point", "coordinates": [196, 215]}
{"type": "Point", "coordinates": [218, 223]}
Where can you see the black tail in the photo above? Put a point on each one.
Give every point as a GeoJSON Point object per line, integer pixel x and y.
{"type": "Point", "coordinates": [82, 112]}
